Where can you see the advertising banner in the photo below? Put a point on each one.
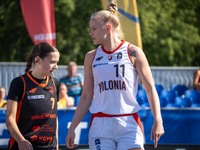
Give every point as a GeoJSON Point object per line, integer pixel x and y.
{"type": "Point", "coordinates": [181, 126]}
{"type": "Point", "coordinates": [39, 18]}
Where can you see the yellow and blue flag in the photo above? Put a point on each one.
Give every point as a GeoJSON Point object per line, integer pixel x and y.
{"type": "Point", "coordinates": [129, 20]}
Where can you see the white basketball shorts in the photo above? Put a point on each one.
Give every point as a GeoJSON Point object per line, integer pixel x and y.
{"type": "Point", "coordinates": [115, 132]}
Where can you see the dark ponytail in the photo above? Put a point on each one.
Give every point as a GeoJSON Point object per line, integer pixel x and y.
{"type": "Point", "coordinates": [28, 64]}
{"type": "Point", "coordinates": [42, 50]}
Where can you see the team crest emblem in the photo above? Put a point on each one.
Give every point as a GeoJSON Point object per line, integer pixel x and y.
{"type": "Point", "coordinates": [51, 89]}
{"type": "Point", "coordinates": [119, 55]}
{"type": "Point", "coordinates": [110, 57]}
{"type": "Point", "coordinates": [98, 144]}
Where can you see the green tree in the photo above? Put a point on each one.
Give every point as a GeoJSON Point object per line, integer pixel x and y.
{"type": "Point", "coordinates": [15, 43]}
{"type": "Point", "coordinates": [170, 33]}
{"type": "Point", "coordinates": [72, 28]}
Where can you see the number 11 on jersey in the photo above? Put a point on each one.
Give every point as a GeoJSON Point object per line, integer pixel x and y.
{"type": "Point", "coordinates": [117, 69]}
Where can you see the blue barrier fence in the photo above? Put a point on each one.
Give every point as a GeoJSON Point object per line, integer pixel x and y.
{"type": "Point", "coordinates": [181, 126]}
{"type": "Point", "coordinates": [164, 75]}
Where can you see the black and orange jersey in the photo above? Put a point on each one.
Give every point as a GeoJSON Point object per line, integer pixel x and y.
{"type": "Point", "coordinates": [37, 110]}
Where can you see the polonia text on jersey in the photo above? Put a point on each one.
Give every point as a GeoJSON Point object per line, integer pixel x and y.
{"type": "Point", "coordinates": [112, 85]}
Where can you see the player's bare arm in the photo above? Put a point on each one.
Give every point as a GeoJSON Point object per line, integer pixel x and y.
{"type": "Point", "coordinates": [139, 60]}
{"type": "Point", "coordinates": [133, 50]}
{"type": "Point", "coordinates": [84, 101]}
{"type": "Point", "coordinates": [12, 126]}
{"type": "Point", "coordinates": [87, 93]}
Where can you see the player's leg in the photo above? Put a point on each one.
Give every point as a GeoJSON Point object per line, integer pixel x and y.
{"type": "Point", "coordinates": [128, 134]}
{"type": "Point", "coordinates": [102, 144]}
{"type": "Point", "coordinates": [101, 134]}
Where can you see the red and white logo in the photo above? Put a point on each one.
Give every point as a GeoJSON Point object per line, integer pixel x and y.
{"type": "Point", "coordinates": [110, 57]}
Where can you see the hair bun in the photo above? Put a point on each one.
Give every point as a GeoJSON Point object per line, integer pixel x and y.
{"type": "Point", "coordinates": [112, 7]}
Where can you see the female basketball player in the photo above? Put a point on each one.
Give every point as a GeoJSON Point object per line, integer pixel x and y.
{"type": "Point", "coordinates": [111, 81]}
{"type": "Point", "coordinates": [32, 102]}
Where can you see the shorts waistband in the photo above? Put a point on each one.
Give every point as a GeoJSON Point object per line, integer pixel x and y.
{"type": "Point", "coordinates": [100, 114]}
{"type": "Point", "coordinates": [135, 115]}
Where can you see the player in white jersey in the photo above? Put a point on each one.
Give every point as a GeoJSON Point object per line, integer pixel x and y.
{"type": "Point", "coordinates": [111, 76]}
{"type": "Point", "coordinates": [114, 77]}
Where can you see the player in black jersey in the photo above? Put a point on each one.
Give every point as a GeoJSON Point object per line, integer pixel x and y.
{"type": "Point", "coordinates": [31, 116]}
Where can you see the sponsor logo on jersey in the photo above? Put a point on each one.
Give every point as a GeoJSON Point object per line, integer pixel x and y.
{"type": "Point", "coordinates": [112, 85]}
{"type": "Point", "coordinates": [51, 90]}
{"type": "Point", "coordinates": [47, 128]}
{"type": "Point", "coordinates": [43, 116]}
{"type": "Point", "coordinates": [45, 139]}
{"type": "Point", "coordinates": [36, 97]}
{"type": "Point", "coordinates": [99, 58]}
{"type": "Point", "coordinates": [98, 144]}
{"type": "Point", "coordinates": [110, 57]}
{"type": "Point", "coordinates": [99, 64]}
{"type": "Point", "coordinates": [36, 128]}
{"type": "Point", "coordinates": [34, 137]}
{"type": "Point", "coordinates": [33, 90]}
{"type": "Point", "coordinates": [119, 55]}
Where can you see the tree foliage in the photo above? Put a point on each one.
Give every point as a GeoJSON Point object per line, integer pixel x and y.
{"type": "Point", "coordinates": [15, 43]}
{"type": "Point", "coordinates": [170, 31]}
{"type": "Point", "coordinates": [72, 28]}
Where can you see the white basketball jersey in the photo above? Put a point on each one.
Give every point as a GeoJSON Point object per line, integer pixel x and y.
{"type": "Point", "coordinates": [115, 82]}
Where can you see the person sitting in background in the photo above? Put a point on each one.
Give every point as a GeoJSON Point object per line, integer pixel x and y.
{"type": "Point", "coordinates": [64, 99]}
{"type": "Point", "coordinates": [3, 102]}
{"type": "Point", "coordinates": [196, 80]}
{"type": "Point", "coordinates": [73, 81]}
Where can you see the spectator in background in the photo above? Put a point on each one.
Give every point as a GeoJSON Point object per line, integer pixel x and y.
{"type": "Point", "coordinates": [196, 80]}
{"type": "Point", "coordinates": [73, 81]}
{"type": "Point", "coordinates": [64, 99]}
{"type": "Point", "coordinates": [3, 102]}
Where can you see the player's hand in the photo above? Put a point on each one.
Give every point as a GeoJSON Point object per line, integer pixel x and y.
{"type": "Point", "coordinates": [156, 132]}
{"type": "Point", "coordinates": [25, 145]}
{"type": "Point", "coordinates": [70, 140]}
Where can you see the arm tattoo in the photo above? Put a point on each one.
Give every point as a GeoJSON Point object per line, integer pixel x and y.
{"type": "Point", "coordinates": [132, 51]}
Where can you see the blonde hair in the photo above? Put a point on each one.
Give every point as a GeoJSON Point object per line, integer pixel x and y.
{"type": "Point", "coordinates": [109, 14]}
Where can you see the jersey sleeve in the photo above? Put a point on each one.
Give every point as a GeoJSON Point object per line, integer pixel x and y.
{"type": "Point", "coordinates": [16, 89]}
